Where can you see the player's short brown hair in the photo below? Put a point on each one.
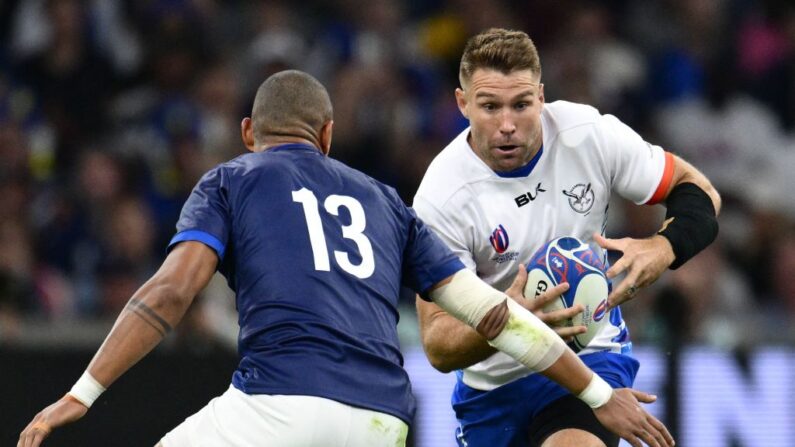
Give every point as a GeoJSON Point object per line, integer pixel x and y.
{"type": "Point", "coordinates": [499, 49]}
{"type": "Point", "coordinates": [291, 103]}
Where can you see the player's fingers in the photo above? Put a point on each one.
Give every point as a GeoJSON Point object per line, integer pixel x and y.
{"type": "Point", "coordinates": [550, 295]}
{"type": "Point", "coordinates": [517, 286]}
{"type": "Point", "coordinates": [623, 292]}
{"type": "Point", "coordinates": [646, 398]}
{"type": "Point", "coordinates": [568, 333]}
{"type": "Point", "coordinates": [618, 268]}
{"type": "Point", "coordinates": [656, 434]}
{"type": "Point", "coordinates": [37, 439]}
{"type": "Point", "coordinates": [26, 437]}
{"type": "Point", "coordinates": [28, 441]}
{"type": "Point", "coordinates": [609, 244]}
{"type": "Point", "coordinates": [35, 432]}
{"type": "Point", "coordinates": [647, 433]}
{"type": "Point", "coordinates": [632, 440]}
{"type": "Point", "coordinates": [656, 423]}
{"type": "Point", "coordinates": [561, 315]}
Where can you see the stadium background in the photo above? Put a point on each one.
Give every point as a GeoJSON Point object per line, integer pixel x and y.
{"type": "Point", "coordinates": [110, 110]}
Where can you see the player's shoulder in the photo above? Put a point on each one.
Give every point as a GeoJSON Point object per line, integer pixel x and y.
{"type": "Point", "coordinates": [577, 126]}
{"type": "Point", "coordinates": [564, 115]}
{"type": "Point", "coordinates": [366, 186]}
{"type": "Point", "coordinates": [455, 167]}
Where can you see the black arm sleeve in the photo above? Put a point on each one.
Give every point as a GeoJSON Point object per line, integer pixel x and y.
{"type": "Point", "coordinates": [690, 222]}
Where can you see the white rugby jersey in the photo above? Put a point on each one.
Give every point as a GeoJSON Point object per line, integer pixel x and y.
{"type": "Point", "coordinates": [493, 222]}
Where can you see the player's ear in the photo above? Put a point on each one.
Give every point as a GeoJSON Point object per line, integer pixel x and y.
{"type": "Point", "coordinates": [461, 101]}
{"type": "Point", "coordinates": [247, 132]}
{"type": "Point", "coordinates": [325, 137]}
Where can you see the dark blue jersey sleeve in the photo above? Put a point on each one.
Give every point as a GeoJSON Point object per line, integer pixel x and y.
{"type": "Point", "coordinates": [426, 259]}
{"type": "Point", "coordinates": [205, 216]}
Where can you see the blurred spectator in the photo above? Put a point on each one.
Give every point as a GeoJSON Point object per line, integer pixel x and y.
{"type": "Point", "coordinates": [130, 257]}
{"type": "Point", "coordinates": [728, 135]}
{"type": "Point", "coordinates": [766, 56]}
{"type": "Point", "coordinates": [589, 64]}
{"type": "Point", "coordinates": [72, 79]}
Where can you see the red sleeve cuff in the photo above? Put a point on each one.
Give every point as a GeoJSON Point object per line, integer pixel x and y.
{"type": "Point", "coordinates": [665, 181]}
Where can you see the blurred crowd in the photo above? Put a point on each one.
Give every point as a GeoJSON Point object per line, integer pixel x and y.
{"type": "Point", "coordinates": [111, 110]}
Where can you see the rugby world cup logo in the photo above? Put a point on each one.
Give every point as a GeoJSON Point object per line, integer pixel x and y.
{"type": "Point", "coordinates": [499, 239]}
{"type": "Point", "coordinates": [601, 311]}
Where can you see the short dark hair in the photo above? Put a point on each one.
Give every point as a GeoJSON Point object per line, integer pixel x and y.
{"type": "Point", "coordinates": [499, 49]}
{"type": "Point", "coordinates": [292, 103]}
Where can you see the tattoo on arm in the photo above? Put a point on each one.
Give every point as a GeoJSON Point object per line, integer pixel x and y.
{"type": "Point", "coordinates": [149, 316]}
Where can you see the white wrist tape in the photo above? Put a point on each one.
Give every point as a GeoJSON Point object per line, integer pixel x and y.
{"type": "Point", "coordinates": [597, 393]}
{"type": "Point", "coordinates": [525, 338]}
{"type": "Point", "coordinates": [87, 389]}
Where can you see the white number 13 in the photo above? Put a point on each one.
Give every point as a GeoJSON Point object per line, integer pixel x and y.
{"type": "Point", "coordinates": [353, 232]}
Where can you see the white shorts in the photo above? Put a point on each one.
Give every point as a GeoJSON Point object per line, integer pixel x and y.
{"type": "Point", "coordinates": [239, 419]}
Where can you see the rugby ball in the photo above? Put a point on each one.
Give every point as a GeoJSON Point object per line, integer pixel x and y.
{"type": "Point", "coordinates": [568, 259]}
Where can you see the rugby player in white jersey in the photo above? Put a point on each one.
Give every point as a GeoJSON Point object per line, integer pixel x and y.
{"type": "Point", "coordinates": [523, 173]}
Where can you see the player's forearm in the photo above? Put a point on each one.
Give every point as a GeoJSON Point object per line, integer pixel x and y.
{"type": "Point", "coordinates": [684, 172]}
{"type": "Point", "coordinates": [153, 310]}
{"type": "Point", "coordinates": [504, 323]}
{"type": "Point", "coordinates": [570, 372]}
{"type": "Point", "coordinates": [149, 315]}
{"type": "Point", "coordinates": [451, 344]}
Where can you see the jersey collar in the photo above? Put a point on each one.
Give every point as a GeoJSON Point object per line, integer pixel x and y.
{"type": "Point", "coordinates": [525, 170]}
{"type": "Point", "coordinates": [293, 146]}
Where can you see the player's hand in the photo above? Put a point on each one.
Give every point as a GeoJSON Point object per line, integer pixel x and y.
{"type": "Point", "coordinates": [644, 260]}
{"type": "Point", "coordinates": [64, 411]}
{"type": "Point", "coordinates": [624, 416]}
{"type": "Point", "coordinates": [556, 319]}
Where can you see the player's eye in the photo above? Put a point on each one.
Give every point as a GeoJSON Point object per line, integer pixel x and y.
{"type": "Point", "coordinates": [489, 107]}
{"type": "Point", "coordinates": [522, 105]}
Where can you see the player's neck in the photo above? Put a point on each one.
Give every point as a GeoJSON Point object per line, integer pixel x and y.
{"type": "Point", "coordinates": [270, 143]}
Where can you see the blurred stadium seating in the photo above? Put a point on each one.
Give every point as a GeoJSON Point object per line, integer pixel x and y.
{"type": "Point", "coordinates": [110, 110]}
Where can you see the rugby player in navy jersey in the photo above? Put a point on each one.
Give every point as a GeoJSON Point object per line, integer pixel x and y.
{"type": "Point", "coordinates": [316, 253]}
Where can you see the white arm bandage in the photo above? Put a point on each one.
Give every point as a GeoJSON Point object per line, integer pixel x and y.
{"type": "Point", "coordinates": [525, 338]}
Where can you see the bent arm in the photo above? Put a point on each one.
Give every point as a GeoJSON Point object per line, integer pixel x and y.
{"type": "Point", "coordinates": [519, 333]}
{"type": "Point", "coordinates": [449, 343]}
{"type": "Point", "coordinates": [153, 310]}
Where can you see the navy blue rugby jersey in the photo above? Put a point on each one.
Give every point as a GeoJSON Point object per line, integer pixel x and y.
{"type": "Point", "coordinates": [315, 252]}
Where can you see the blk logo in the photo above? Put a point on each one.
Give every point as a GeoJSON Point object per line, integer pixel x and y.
{"type": "Point", "coordinates": [524, 199]}
{"type": "Point", "coordinates": [499, 239]}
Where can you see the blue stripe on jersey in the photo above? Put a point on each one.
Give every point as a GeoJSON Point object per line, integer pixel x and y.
{"type": "Point", "coordinates": [199, 236]}
{"type": "Point", "coordinates": [525, 170]}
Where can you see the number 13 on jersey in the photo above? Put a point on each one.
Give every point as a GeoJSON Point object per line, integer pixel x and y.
{"type": "Point", "coordinates": [354, 232]}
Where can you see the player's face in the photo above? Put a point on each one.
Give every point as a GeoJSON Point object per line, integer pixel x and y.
{"type": "Point", "coordinates": [504, 112]}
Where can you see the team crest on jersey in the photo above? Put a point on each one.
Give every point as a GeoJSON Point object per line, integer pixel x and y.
{"type": "Point", "coordinates": [581, 197]}
{"type": "Point", "coordinates": [499, 241]}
